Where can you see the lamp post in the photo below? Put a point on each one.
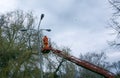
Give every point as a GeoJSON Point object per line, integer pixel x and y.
{"type": "Point", "coordinates": [39, 47]}
{"type": "Point", "coordinates": [39, 42]}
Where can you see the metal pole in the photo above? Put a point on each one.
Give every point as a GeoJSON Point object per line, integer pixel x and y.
{"type": "Point", "coordinates": [30, 33]}
{"type": "Point", "coordinates": [39, 46]}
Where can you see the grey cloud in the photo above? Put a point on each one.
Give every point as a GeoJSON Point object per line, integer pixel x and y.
{"type": "Point", "coordinates": [81, 21]}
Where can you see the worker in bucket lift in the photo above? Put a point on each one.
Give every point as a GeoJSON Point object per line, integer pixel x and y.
{"type": "Point", "coordinates": [46, 46]}
{"type": "Point", "coordinates": [45, 42]}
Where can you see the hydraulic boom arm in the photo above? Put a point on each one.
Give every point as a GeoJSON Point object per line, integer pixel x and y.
{"type": "Point", "coordinates": [84, 64]}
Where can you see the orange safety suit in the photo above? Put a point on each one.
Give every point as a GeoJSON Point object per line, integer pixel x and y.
{"type": "Point", "coordinates": [45, 42]}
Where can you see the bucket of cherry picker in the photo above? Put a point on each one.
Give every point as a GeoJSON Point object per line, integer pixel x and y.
{"type": "Point", "coordinates": [46, 45]}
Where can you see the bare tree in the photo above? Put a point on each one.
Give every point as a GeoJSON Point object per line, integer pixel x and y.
{"type": "Point", "coordinates": [98, 59]}
{"type": "Point", "coordinates": [115, 22]}
{"type": "Point", "coordinates": [116, 68]}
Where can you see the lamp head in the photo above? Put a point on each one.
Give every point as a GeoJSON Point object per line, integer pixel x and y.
{"type": "Point", "coordinates": [48, 30]}
{"type": "Point", "coordinates": [42, 16]}
{"type": "Point", "coordinates": [23, 29]}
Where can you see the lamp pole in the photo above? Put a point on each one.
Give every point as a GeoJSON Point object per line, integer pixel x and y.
{"type": "Point", "coordinates": [39, 47]}
{"type": "Point", "coordinates": [39, 43]}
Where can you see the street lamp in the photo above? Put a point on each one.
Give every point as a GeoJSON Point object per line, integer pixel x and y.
{"type": "Point", "coordinates": [23, 30]}
{"type": "Point", "coordinates": [39, 45]}
{"type": "Point", "coordinates": [48, 30]}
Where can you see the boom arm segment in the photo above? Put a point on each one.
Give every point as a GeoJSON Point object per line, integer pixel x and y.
{"type": "Point", "coordinates": [84, 64]}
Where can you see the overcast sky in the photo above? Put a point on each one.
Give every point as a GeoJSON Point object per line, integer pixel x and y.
{"type": "Point", "coordinates": [81, 25]}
